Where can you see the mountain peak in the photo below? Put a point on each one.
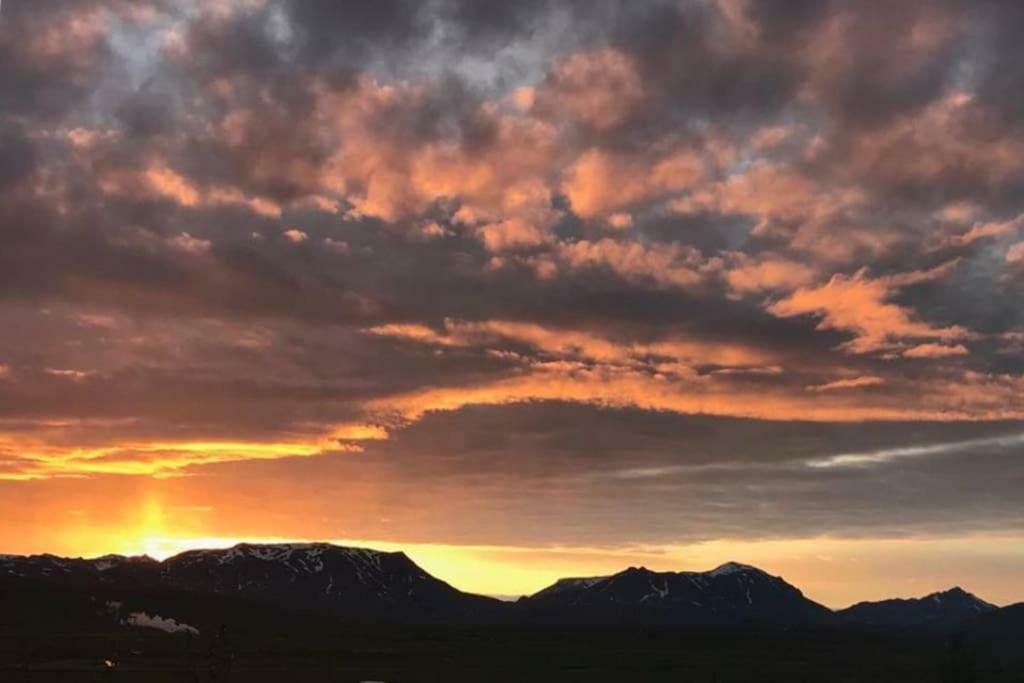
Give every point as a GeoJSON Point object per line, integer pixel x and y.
{"type": "Point", "coordinates": [951, 606]}
{"type": "Point", "coordinates": [639, 571]}
{"type": "Point", "coordinates": [734, 568]}
{"type": "Point", "coordinates": [956, 594]}
{"type": "Point", "coordinates": [732, 593]}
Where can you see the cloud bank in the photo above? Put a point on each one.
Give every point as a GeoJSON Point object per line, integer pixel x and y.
{"type": "Point", "coordinates": [373, 244]}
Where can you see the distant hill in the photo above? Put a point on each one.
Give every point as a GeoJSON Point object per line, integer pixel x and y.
{"type": "Point", "coordinates": [947, 608]}
{"type": "Point", "coordinates": [732, 594]}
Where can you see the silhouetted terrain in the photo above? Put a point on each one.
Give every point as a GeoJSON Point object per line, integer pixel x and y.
{"type": "Point", "coordinates": [343, 583]}
{"type": "Point", "coordinates": [729, 595]}
{"type": "Point", "coordinates": [325, 613]}
{"type": "Point", "coordinates": [950, 607]}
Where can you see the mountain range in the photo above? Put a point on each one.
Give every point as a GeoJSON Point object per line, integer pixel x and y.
{"type": "Point", "coordinates": [284, 585]}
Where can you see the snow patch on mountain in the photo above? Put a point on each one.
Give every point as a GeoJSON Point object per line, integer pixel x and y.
{"type": "Point", "coordinates": [730, 568]}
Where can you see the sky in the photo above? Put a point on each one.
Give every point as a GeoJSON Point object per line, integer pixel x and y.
{"type": "Point", "coordinates": [529, 290]}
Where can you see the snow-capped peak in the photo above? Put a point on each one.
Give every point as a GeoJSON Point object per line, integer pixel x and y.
{"type": "Point", "coordinates": [959, 595]}
{"type": "Point", "coordinates": [730, 568]}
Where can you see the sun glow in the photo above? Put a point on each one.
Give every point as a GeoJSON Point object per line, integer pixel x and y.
{"type": "Point", "coordinates": [833, 571]}
{"type": "Point", "coordinates": [157, 459]}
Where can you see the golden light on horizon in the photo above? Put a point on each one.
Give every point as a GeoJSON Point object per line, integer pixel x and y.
{"type": "Point", "coordinates": [136, 534]}
{"type": "Point", "coordinates": [834, 571]}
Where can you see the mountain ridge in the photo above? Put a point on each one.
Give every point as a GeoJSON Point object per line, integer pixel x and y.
{"type": "Point", "coordinates": [941, 608]}
{"type": "Point", "coordinates": [340, 582]}
{"type": "Point", "coordinates": [362, 584]}
{"type": "Point", "coordinates": [731, 593]}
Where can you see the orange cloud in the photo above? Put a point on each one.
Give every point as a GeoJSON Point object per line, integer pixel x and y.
{"type": "Point", "coordinates": [582, 367]}
{"type": "Point", "coordinates": [64, 34]}
{"type": "Point", "coordinates": [787, 203]}
{"type": "Point", "coordinates": [850, 383]}
{"type": "Point", "coordinates": [1015, 254]}
{"type": "Point", "coordinates": [664, 264]}
{"type": "Point", "coordinates": [503, 188]}
{"type": "Point", "coordinates": [418, 333]}
{"type": "Point", "coordinates": [598, 88]}
{"type": "Point", "coordinates": [187, 243]}
{"type": "Point", "coordinates": [935, 351]}
{"type": "Point", "coordinates": [861, 305]}
{"type": "Point", "coordinates": [599, 183]}
{"type": "Point", "coordinates": [163, 182]}
{"type": "Point", "coordinates": [623, 387]}
{"type": "Point", "coordinates": [167, 183]}
{"type": "Point", "coordinates": [751, 276]}
{"type": "Point", "coordinates": [36, 459]}
{"type": "Point", "coordinates": [948, 134]}
{"type": "Point", "coordinates": [980, 231]}
{"type": "Point", "coordinates": [577, 344]}
{"type": "Point", "coordinates": [620, 221]}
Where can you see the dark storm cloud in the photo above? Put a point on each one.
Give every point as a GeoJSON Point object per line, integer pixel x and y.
{"type": "Point", "coordinates": [45, 69]}
{"type": "Point", "coordinates": [366, 27]}
{"type": "Point", "coordinates": [579, 475]}
{"type": "Point", "coordinates": [681, 52]}
{"type": "Point", "coordinates": [999, 64]}
{"type": "Point", "coordinates": [559, 439]}
{"type": "Point", "coordinates": [18, 154]}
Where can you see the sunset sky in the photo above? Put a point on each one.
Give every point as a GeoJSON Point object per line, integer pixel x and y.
{"type": "Point", "coordinates": [528, 289]}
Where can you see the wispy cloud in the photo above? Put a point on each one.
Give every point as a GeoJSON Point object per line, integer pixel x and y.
{"type": "Point", "coordinates": [887, 455]}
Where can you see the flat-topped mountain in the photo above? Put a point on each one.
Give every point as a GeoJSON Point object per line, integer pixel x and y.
{"type": "Point", "coordinates": [937, 609]}
{"type": "Point", "coordinates": [348, 583]}
{"type": "Point", "coordinates": [342, 581]}
{"type": "Point", "coordinates": [731, 594]}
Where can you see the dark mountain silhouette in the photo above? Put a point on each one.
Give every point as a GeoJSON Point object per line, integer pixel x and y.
{"type": "Point", "coordinates": [292, 587]}
{"type": "Point", "coordinates": [109, 569]}
{"type": "Point", "coordinates": [348, 582]}
{"type": "Point", "coordinates": [1001, 620]}
{"type": "Point", "coordinates": [996, 637]}
{"type": "Point", "coordinates": [947, 608]}
{"type": "Point", "coordinates": [732, 594]}
{"type": "Point", "coordinates": [353, 584]}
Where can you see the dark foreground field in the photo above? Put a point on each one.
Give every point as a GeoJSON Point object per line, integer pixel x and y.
{"type": "Point", "coordinates": [505, 655]}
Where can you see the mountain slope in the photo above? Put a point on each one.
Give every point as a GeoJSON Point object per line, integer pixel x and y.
{"type": "Point", "coordinates": [330, 581]}
{"type": "Point", "coordinates": [732, 594]}
{"type": "Point", "coordinates": [996, 637]}
{"type": "Point", "coordinates": [946, 608]}
{"type": "Point", "coordinates": [106, 569]}
{"type": "Point", "coordinates": [348, 582]}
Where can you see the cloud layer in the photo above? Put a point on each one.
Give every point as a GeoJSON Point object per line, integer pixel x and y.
{"type": "Point", "coordinates": [546, 259]}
